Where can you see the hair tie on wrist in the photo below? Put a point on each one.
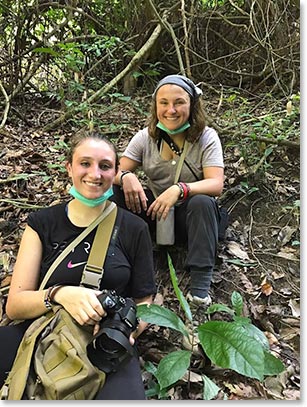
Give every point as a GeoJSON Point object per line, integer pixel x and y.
{"type": "Point", "coordinates": [122, 175]}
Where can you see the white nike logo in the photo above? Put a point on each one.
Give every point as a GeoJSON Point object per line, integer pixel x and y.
{"type": "Point", "coordinates": [71, 265]}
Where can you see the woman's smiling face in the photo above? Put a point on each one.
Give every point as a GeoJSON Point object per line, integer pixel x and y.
{"type": "Point", "coordinates": [92, 169]}
{"type": "Point", "coordinates": [173, 106]}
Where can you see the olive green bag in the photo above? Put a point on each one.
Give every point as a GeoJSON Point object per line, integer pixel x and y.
{"type": "Point", "coordinates": [60, 368]}
{"type": "Point", "coordinates": [51, 361]}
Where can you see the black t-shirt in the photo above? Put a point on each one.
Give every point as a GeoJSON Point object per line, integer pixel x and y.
{"type": "Point", "coordinates": [128, 266]}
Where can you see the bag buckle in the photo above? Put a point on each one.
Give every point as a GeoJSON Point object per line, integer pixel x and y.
{"type": "Point", "coordinates": [92, 276]}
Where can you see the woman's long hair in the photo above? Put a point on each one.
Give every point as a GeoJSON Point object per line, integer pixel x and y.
{"type": "Point", "coordinates": [197, 120]}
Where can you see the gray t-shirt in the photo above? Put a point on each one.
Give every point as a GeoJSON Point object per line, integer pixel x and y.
{"type": "Point", "coordinates": [205, 152]}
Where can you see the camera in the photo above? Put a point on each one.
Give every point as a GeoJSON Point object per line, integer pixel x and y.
{"type": "Point", "coordinates": [110, 347]}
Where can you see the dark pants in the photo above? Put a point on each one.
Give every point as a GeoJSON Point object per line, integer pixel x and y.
{"type": "Point", "coordinates": [196, 225]}
{"type": "Point", "coordinates": [126, 384]}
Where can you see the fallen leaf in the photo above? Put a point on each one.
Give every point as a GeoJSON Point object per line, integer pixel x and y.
{"type": "Point", "coordinates": [294, 307]}
{"type": "Point", "coordinates": [288, 253]}
{"type": "Point", "coordinates": [192, 377]}
{"type": "Point", "coordinates": [246, 283]}
{"type": "Point", "coordinates": [292, 394]}
{"type": "Point", "coordinates": [158, 300]}
{"type": "Point", "coordinates": [285, 234]}
{"type": "Point", "coordinates": [240, 390]}
{"type": "Point", "coordinates": [291, 321]}
{"type": "Point", "coordinates": [266, 289]}
{"type": "Point", "coordinates": [271, 338]}
{"type": "Point", "coordinates": [235, 249]}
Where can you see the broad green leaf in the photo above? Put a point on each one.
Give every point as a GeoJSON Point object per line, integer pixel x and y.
{"type": "Point", "coordinates": [256, 333]}
{"type": "Point", "coordinates": [227, 345]}
{"type": "Point", "coordinates": [237, 302]}
{"type": "Point", "coordinates": [219, 308]}
{"type": "Point", "coordinates": [172, 367]}
{"type": "Point", "coordinates": [242, 320]}
{"type": "Point", "coordinates": [183, 302]}
{"type": "Point", "coordinates": [210, 388]}
{"type": "Point", "coordinates": [155, 314]}
{"type": "Point", "coordinates": [272, 365]}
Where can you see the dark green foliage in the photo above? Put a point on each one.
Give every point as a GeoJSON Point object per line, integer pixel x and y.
{"type": "Point", "coordinates": [238, 345]}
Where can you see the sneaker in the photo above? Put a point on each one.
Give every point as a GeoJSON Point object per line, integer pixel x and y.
{"type": "Point", "coordinates": [206, 301]}
{"type": "Point", "coordinates": [202, 301]}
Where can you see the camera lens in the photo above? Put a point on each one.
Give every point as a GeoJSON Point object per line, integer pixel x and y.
{"type": "Point", "coordinates": [110, 347]}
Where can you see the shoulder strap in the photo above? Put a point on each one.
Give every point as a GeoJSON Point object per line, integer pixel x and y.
{"type": "Point", "coordinates": [180, 163]}
{"type": "Point", "coordinates": [75, 242]}
{"type": "Point", "coordinates": [93, 270]}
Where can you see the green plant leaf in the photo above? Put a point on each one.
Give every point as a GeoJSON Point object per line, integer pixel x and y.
{"type": "Point", "coordinates": [227, 345]}
{"type": "Point", "coordinates": [237, 303]}
{"type": "Point", "coordinates": [239, 262]}
{"type": "Point", "coordinates": [45, 50]}
{"type": "Point", "coordinates": [272, 365]}
{"type": "Point", "coordinates": [219, 308]}
{"type": "Point", "coordinates": [153, 390]}
{"type": "Point", "coordinates": [210, 388]}
{"type": "Point", "coordinates": [183, 302]}
{"type": "Point", "coordinates": [155, 314]}
{"type": "Point", "coordinates": [242, 320]}
{"type": "Point", "coordinates": [257, 334]}
{"type": "Point", "coordinates": [150, 367]}
{"type": "Point", "coordinates": [172, 367]}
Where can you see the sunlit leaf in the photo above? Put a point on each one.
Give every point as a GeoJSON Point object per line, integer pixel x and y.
{"type": "Point", "coordinates": [227, 345]}
{"type": "Point", "coordinates": [155, 314]}
{"type": "Point", "coordinates": [172, 367]}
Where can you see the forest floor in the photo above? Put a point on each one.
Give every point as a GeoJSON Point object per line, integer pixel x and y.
{"type": "Point", "coordinates": [259, 257]}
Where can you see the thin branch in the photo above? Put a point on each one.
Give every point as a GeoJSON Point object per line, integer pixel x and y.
{"type": "Point", "coordinates": [186, 41]}
{"type": "Point", "coordinates": [7, 105]}
{"type": "Point", "coordinates": [169, 28]}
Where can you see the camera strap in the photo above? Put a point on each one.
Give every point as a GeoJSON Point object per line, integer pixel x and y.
{"type": "Point", "coordinates": [111, 208]}
{"type": "Point", "coordinates": [93, 270]}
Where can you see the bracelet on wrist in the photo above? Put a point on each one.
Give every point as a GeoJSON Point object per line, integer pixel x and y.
{"type": "Point", "coordinates": [48, 303]}
{"type": "Point", "coordinates": [180, 198]}
{"type": "Point", "coordinates": [184, 191]}
{"type": "Point", "coordinates": [53, 291]}
{"type": "Point", "coordinates": [123, 173]}
{"type": "Point", "coordinates": [49, 295]}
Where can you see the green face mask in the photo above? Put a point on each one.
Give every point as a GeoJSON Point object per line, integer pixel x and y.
{"type": "Point", "coordinates": [91, 202]}
{"type": "Point", "coordinates": [176, 131]}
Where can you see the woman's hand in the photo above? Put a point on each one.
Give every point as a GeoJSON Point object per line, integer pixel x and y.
{"type": "Point", "coordinates": [142, 324]}
{"type": "Point", "coordinates": [82, 304]}
{"type": "Point", "coordinates": [135, 197]}
{"type": "Point", "coordinates": [161, 206]}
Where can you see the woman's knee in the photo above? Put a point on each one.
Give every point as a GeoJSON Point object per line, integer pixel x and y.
{"type": "Point", "coordinates": [201, 202]}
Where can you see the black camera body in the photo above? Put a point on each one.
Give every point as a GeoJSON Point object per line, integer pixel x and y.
{"type": "Point", "coordinates": [110, 347]}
